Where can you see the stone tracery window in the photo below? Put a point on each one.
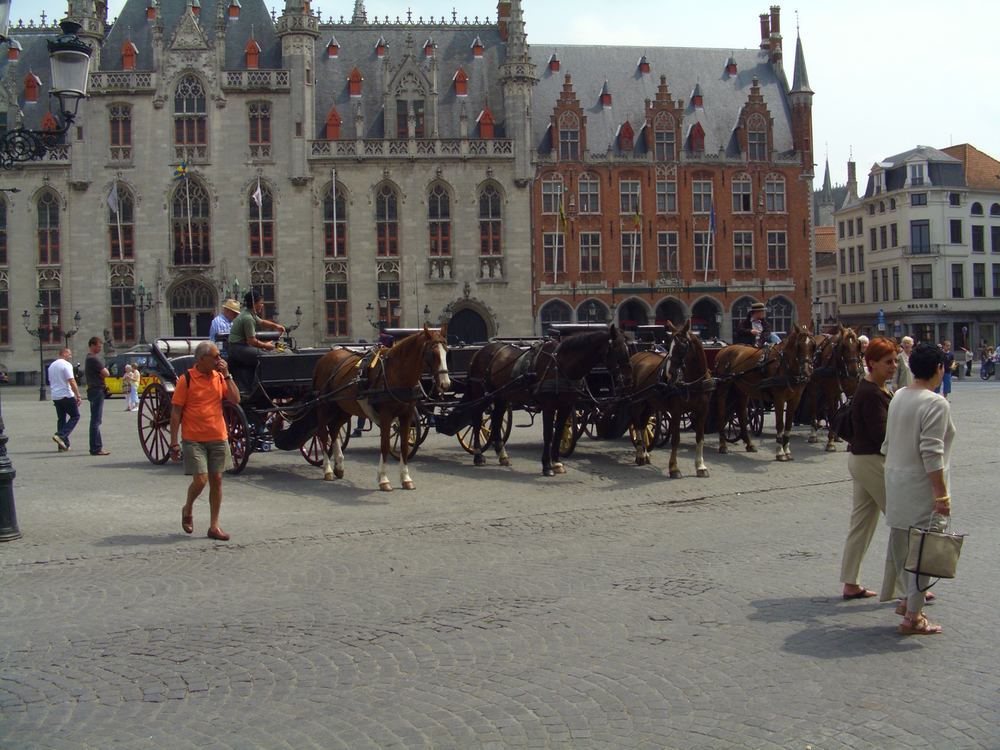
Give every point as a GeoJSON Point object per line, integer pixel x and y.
{"type": "Point", "coordinates": [387, 221]}
{"type": "Point", "coordinates": [261, 221]}
{"type": "Point", "coordinates": [569, 136]}
{"type": "Point", "coordinates": [335, 223]}
{"type": "Point", "coordinates": [190, 224]}
{"type": "Point", "coordinates": [48, 228]}
{"type": "Point", "coordinates": [439, 220]}
{"type": "Point", "coordinates": [121, 226]}
{"type": "Point", "coordinates": [190, 119]}
{"type": "Point", "coordinates": [664, 138]}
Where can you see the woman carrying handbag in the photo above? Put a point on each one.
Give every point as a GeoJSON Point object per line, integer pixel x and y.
{"type": "Point", "coordinates": [917, 448]}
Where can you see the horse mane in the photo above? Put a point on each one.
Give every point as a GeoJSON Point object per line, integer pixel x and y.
{"type": "Point", "coordinates": [582, 340]}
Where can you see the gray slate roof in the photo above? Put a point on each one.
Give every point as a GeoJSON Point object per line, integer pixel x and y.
{"type": "Point", "coordinates": [34, 58]}
{"type": "Point", "coordinates": [942, 170]}
{"type": "Point", "coordinates": [685, 68]}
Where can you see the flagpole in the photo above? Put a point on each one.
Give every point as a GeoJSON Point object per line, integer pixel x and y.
{"type": "Point", "coordinates": [637, 235]}
{"type": "Point", "coordinates": [333, 191]}
{"type": "Point", "coordinates": [118, 221]}
{"type": "Point", "coordinates": [562, 239]}
{"type": "Point", "coordinates": [187, 195]}
{"type": "Point", "coordinates": [260, 220]}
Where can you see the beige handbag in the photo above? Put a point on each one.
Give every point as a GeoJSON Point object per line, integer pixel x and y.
{"type": "Point", "coordinates": [933, 553]}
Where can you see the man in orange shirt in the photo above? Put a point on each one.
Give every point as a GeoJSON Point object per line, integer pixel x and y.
{"type": "Point", "coordinates": [197, 404]}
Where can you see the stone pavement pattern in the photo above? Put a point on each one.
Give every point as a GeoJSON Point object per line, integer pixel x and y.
{"type": "Point", "coordinates": [607, 608]}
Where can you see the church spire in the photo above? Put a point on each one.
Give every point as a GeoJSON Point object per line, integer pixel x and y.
{"type": "Point", "coordinates": [800, 79]}
{"type": "Point", "coordinates": [517, 39]}
{"type": "Point", "coordinates": [826, 196]}
{"type": "Point", "coordinates": [359, 12]}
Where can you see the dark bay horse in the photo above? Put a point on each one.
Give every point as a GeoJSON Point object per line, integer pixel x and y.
{"type": "Point", "coordinates": [551, 379]}
{"type": "Point", "coordinates": [677, 382]}
{"type": "Point", "coordinates": [836, 372]}
{"type": "Point", "coordinates": [382, 386]}
{"type": "Point", "coordinates": [778, 374]}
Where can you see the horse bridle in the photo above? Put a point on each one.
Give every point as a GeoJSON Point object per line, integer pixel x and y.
{"type": "Point", "coordinates": [796, 378]}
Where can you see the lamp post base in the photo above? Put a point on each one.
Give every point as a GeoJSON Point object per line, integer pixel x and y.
{"type": "Point", "coordinates": [8, 514]}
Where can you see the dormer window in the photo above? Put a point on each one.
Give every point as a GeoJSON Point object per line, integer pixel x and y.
{"type": "Point", "coordinates": [332, 48]}
{"type": "Point", "coordinates": [196, 7]}
{"type": "Point", "coordinates": [477, 48]}
{"type": "Point", "coordinates": [129, 53]}
{"type": "Point", "coordinates": [252, 51]}
{"type": "Point", "coordinates": [486, 123]}
{"type": "Point", "coordinates": [643, 64]}
{"type": "Point", "coordinates": [354, 83]}
{"type": "Point", "coordinates": [879, 181]}
{"type": "Point", "coordinates": [380, 47]}
{"type": "Point", "coordinates": [697, 100]}
{"type": "Point", "coordinates": [32, 84]}
{"type": "Point", "coordinates": [13, 49]}
{"type": "Point", "coordinates": [332, 125]}
{"type": "Point", "coordinates": [429, 48]}
{"type": "Point", "coordinates": [234, 10]}
{"type": "Point", "coordinates": [696, 140]}
{"type": "Point", "coordinates": [554, 63]}
{"type": "Point", "coordinates": [605, 96]}
{"type": "Point", "coordinates": [49, 122]}
{"type": "Point", "coordinates": [461, 81]}
{"type": "Point", "coordinates": [916, 174]}
{"type": "Point", "coordinates": [151, 10]}
{"type": "Point", "coordinates": [731, 66]}
{"type": "Point", "coordinates": [626, 137]}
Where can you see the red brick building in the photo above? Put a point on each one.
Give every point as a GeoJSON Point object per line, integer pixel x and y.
{"type": "Point", "coordinates": [672, 183]}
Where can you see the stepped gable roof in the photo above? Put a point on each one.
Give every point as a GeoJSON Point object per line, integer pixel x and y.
{"type": "Point", "coordinates": [453, 50]}
{"type": "Point", "coordinates": [943, 170]}
{"type": "Point", "coordinates": [34, 58]}
{"type": "Point", "coordinates": [982, 171]}
{"type": "Point", "coordinates": [132, 24]}
{"type": "Point", "coordinates": [724, 95]}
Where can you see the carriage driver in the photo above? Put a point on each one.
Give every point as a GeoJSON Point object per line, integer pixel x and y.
{"type": "Point", "coordinates": [755, 330]}
{"type": "Point", "coordinates": [244, 346]}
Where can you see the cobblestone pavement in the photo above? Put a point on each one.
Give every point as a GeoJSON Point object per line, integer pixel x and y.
{"type": "Point", "coordinates": [607, 608]}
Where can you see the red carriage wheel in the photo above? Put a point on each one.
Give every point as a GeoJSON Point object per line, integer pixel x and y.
{"type": "Point", "coordinates": [239, 435]}
{"type": "Point", "coordinates": [311, 448]}
{"type": "Point", "coordinates": [154, 422]}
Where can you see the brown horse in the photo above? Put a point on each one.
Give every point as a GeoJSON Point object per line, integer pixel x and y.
{"type": "Point", "coordinates": [549, 377]}
{"type": "Point", "coordinates": [677, 382]}
{"type": "Point", "coordinates": [836, 372]}
{"type": "Point", "coordinates": [382, 386]}
{"type": "Point", "coordinates": [778, 373]}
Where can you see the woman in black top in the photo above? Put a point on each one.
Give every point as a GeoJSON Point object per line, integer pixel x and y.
{"type": "Point", "coordinates": [869, 411]}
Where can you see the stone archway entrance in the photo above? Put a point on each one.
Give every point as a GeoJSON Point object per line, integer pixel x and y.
{"type": "Point", "coordinates": [192, 306]}
{"type": "Point", "coordinates": [467, 327]}
{"type": "Point", "coordinates": [706, 318]}
{"type": "Point", "coordinates": [672, 310]}
{"type": "Point", "coordinates": [632, 314]}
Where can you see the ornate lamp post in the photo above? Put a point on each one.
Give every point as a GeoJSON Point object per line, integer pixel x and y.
{"type": "Point", "coordinates": [377, 318]}
{"type": "Point", "coordinates": [143, 303]}
{"type": "Point", "coordinates": [427, 315]}
{"type": "Point", "coordinates": [290, 328]}
{"type": "Point", "coordinates": [38, 333]}
{"type": "Point", "coordinates": [76, 327]}
{"type": "Point", "coordinates": [69, 58]}
{"type": "Point", "coordinates": [8, 513]}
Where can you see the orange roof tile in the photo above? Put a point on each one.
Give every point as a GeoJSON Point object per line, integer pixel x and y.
{"type": "Point", "coordinates": [826, 240]}
{"type": "Point", "coordinates": [982, 171]}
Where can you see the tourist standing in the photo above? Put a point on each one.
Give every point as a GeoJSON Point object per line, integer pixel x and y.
{"type": "Point", "coordinates": [94, 371]}
{"type": "Point", "coordinates": [903, 376]}
{"type": "Point", "coordinates": [65, 397]}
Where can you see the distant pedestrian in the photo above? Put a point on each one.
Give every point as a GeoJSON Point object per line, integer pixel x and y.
{"type": "Point", "coordinates": [95, 373]}
{"type": "Point", "coordinates": [949, 365]}
{"type": "Point", "coordinates": [903, 376]}
{"type": "Point", "coordinates": [65, 397]}
{"type": "Point", "coordinates": [130, 380]}
{"type": "Point", "coordinates": [197, 411]}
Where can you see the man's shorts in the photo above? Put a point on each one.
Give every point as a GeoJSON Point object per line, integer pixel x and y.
{"type": "Point", "coordinates": [209, 457]}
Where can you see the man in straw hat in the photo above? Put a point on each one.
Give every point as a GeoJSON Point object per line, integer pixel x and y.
{"type": "Point", "coordinates": [222, 322]}
{"type": "Point", "coordinates": [755, 330]}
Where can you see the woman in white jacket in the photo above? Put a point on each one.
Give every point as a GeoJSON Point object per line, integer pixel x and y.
{"type": "Point", "coordinates": [917, 449]}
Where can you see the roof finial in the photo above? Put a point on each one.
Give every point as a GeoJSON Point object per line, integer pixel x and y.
{"type": "Point", "coordinates": [359, 12]}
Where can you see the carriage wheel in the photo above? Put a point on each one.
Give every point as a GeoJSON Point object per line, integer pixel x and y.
{"type": "Point", "coordinates": [731, 432]}
{"type": "Point", "coordinates": [662, 435]}
{"type": "Point", "coordinates": [686, 421]}
{"type": "Point", "coordinates": [645, 437]}
{"type": "Point", "coordinates": [466, 434]}
{"type": "Point", "coordinates": [311, 448]}
{"type": "Point", "coordinates": [418, 433]}
{"type": "Point", "coordinates": [755, 413]}
{"type": "Point", "coordinates": [239, 436]}
{"type": "Point", "coordinates": [154, 423]}
{"type": "Point", "coordinates": [571, 433]}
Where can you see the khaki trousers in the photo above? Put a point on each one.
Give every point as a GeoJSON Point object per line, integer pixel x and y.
{"type": "Point", "coordinates": [868, 473]}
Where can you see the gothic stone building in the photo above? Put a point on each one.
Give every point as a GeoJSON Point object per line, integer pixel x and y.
{"type": "Point", "coordinates": [672, 183]}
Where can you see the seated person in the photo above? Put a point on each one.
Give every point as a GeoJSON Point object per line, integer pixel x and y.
{"type": "Point", "coordinates": [755, 330]}
{"type": "Point", "coordinates": [244, 346]}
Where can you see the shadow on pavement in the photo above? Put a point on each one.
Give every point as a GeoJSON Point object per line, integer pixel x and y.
{"type": "Point", "coordinates": [835, 642]}
{"type": "Point", "coordinates": [142, 540]}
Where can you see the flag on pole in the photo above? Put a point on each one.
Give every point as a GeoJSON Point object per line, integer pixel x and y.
{"type": "Point", "coordinates": [637, 218]}
{"type": "Point", "coordinates": [710, 245]}
{"type": "Point", "coordinates": [181, 171]}
{"type": "Point", "coordinates": [258, 196]}
{"type": "Point", "coordinates": [113, 197]}
{"type": "Point", "coordinates": [562, 216]}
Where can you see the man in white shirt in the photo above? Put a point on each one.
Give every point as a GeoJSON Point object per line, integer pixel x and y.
{"type": "Point", "coordinates": [65, 397]}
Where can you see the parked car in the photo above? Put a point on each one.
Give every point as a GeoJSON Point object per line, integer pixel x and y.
{"type": "Point", "coordinates": [137, 357]}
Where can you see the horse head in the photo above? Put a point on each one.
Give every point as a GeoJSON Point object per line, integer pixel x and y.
{"type": "Point", "coordinates": [677, 352]}
{"type": "Point", "coordinates": [617, 358]}
{"type": "Point", "coordinates": [850, 354]}
{"type": "Point", "coordinates": [435, 352]}
{"type": "Point", "coordinates": [799, 350]}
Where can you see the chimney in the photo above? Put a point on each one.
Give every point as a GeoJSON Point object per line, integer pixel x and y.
{"type": "Point", "coordinates": [852, 179]}
{"type": "Point", "coordinates": [503, 18]}
{"type": "Point", "coordinates": [765, 31]}
{"type": "Point", "coordinates": [776, 20]}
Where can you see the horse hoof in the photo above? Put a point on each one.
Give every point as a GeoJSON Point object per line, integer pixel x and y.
{"type": "Point", "coordinates": [751, 449]}
{"type": "Point", "coordinates": [479, 461]}
{"type": "Point", "coordinates": [328, 477]}
{"type": "Point", "coordinates": [505, 462]}
{"type": "Point", "coordinates": [548, 473]}
{"type": "Point", "coordinates": [385, 487]}
{"type": "Point", "coordinates": [408, 486]}
{"type": "Point", "coordinates": [675, 474]}
{"type": "Point", "coordinates": [812, 439]}
{"type": "Point", "coordinates": [559, 469]}
{"type": "Point", "coordinates": [648, 461]}
{"type": "Point", "coordinates": [640, 461]}
{"type": "Point", "coordinates": [723, 450]}
{"type": "Point", "coordinates": [780, 457]}
{"type": "Point", "coordinates": [831, 448]}
{"type": "Point", "coordinates": [339, 473]}
{"type": "Point", "coordinates": [702, 473]}
{"type": "Point", "coordinates": [789, 457]}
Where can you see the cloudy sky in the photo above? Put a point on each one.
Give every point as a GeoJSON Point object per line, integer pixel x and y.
{"type": "Point", "coordinates": [888, 75]}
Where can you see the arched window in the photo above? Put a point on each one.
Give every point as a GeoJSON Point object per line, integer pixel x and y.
{"type": "Point", "coordinates": [387, 221]}
{"type": "Point", "coordinates": [120, 124]}
{"type": "Point", "coordinates": [261, 221]}
{"type": "Point", "coordinates": [742, 194]}
{"type": "Point", "coordinates": [977, 209]}
{"type": "Point", "coordinates": [121, 223]}
{"type": "Point", "coordinates": [189, 222]}
{"type": "Point", "coordinates": [664, 138]}
{"type": "Point", "coordinates": [50, 295]}
{"type": "Point", "coordinates": [592, 311]}
{"type": "Point", "coordinates": [780, 311]}
{"type": "Point", "coordinates": [48, 228]}
{"type": "Point", "coordinates": [555, 311]}
{"type": "Point", "coordinates": [123, 312]}
{"type": "Point", "coordinates": [995, 209]}
{"type": "Point", "coordinates": [569, 136]}
{"type": "Point", "coordinates": [259, 114]}
{"type": "Point", "coordinates": [589, 194]}
{"type": "Point", "coordinates": [739, 311]}
{"type": "Point", "coordinates": [757, 139]}
{"type": "Point", "coordinates": [490, 221]}
{"type": "Point", "coordinates": [439, 220]}
{"type": "Point", "coordinates": [388, 292]}
{"type": "Point", "coordinates": [263, 278]}
{"type": "Point", "coordinates": [774, 193]}
{"type": "Point", "coordinates": [335, 220]}
{"type": "Point", "coordinates": [190, 118]}
{"type": "Point", "coordinates": [697, 139]}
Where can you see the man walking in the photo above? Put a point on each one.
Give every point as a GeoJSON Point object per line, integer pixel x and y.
{"type": "Point", "coordinates": [65, 397]}
{"type": "Point", "coordinates": [197, 405]}
{"type": "Point", "coordinates": [94, 372]}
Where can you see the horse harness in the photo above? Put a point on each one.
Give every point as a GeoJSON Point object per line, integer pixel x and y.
{"type": "Point", "coordinates": [778, 380]}
{"type": "Point", "coordinates": [839, 363]}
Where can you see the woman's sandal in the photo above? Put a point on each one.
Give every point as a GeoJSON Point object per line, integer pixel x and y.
{"type": "Point", "coordinates": [919, 626]}
{"type": "Point", "coordinates": [187, 522]}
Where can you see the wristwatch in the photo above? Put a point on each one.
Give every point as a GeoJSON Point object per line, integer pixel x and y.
{"type": "Point", "coordinates": [229, 377]}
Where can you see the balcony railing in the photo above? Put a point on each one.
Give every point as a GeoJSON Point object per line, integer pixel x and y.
{"type": "Point", "coordinates": [256, 80]}
{"type": "Point", "coordinates": [414, 148]}
{"type": "Point", "coordinates": [922, 249]}
{"type": "Point", "coordinates": [119, 81]}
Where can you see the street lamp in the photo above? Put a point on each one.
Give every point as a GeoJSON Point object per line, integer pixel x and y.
{"type": "Point", "coordinates": [76, 327]}
{"type": "Point", "coordinates": [427, 315]}
{"type": "Point", "coordinates": [289, 329]}
{"type": "Point", "coordinates": [817, 312]}
{"type": "Point", "coordinates": [377, 318]}
{"type": "Point", "coordinates": [38, 333]}
{"type": "Point", "coordinates": [69, 59]}
{"type": "Point", "coordinates": [143, 303]}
